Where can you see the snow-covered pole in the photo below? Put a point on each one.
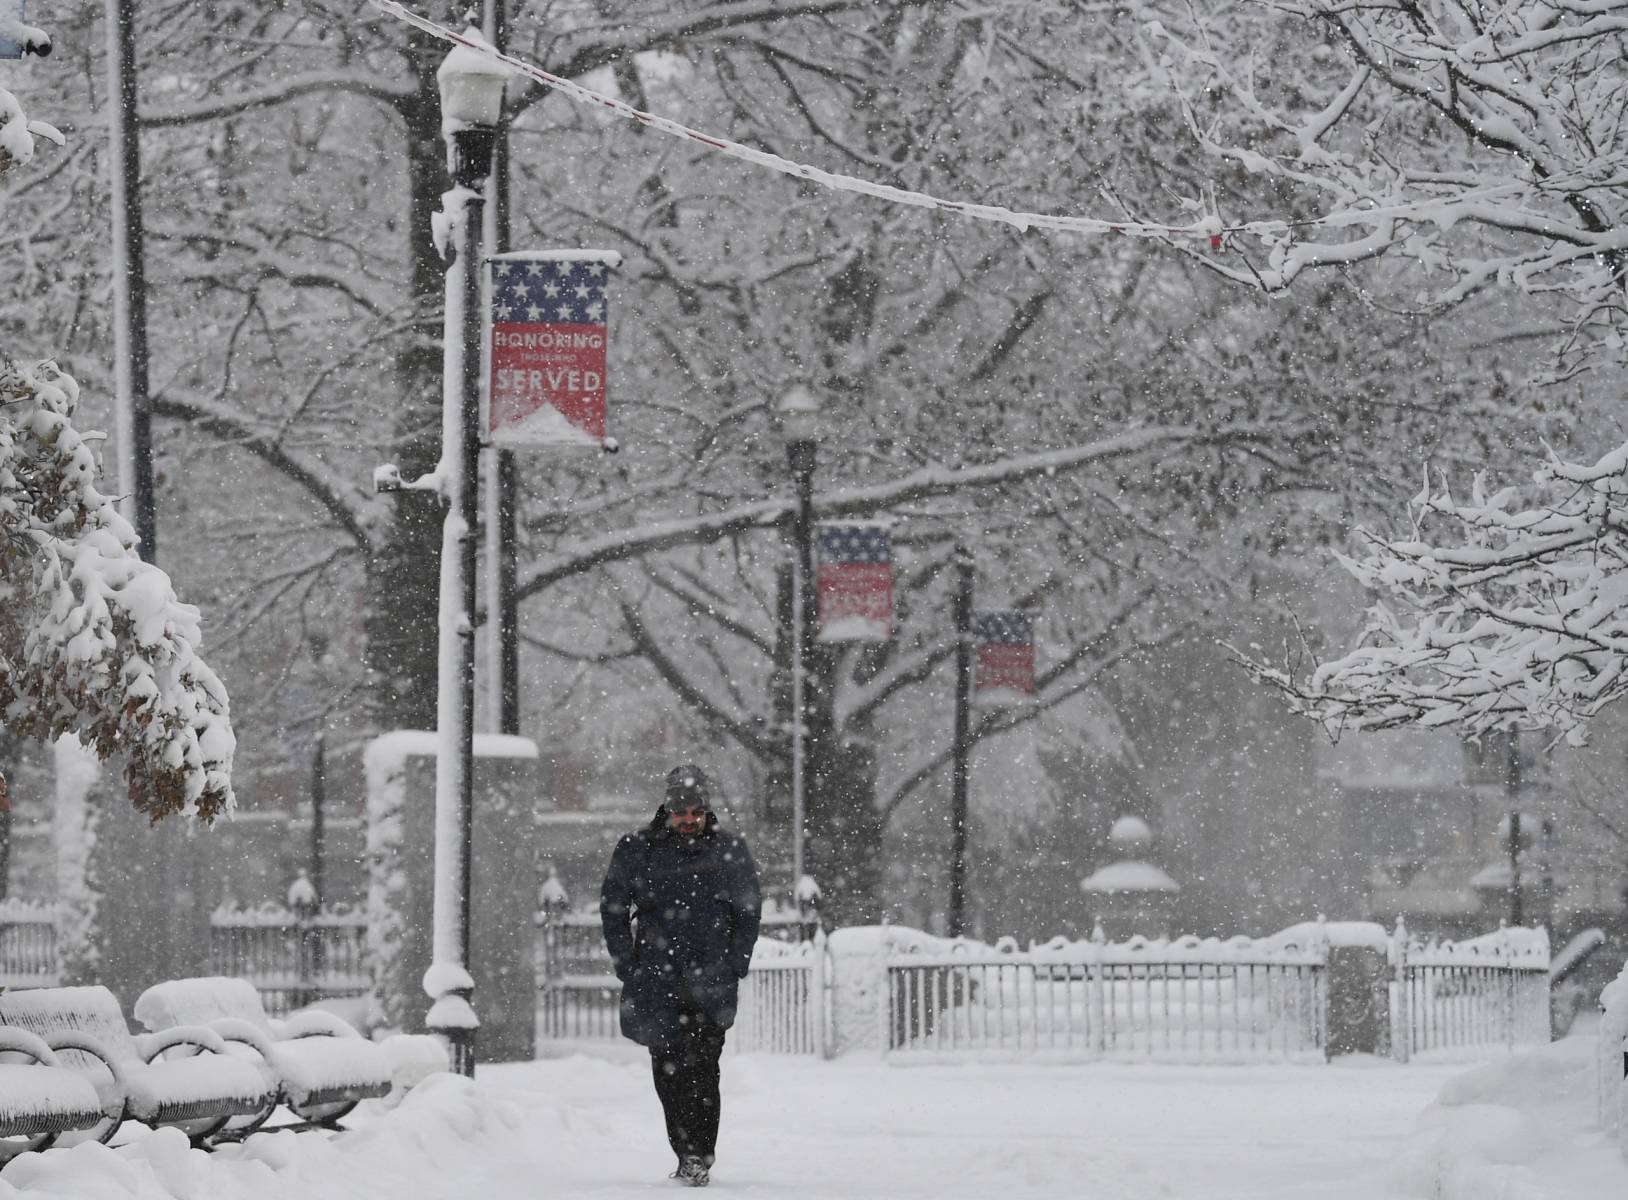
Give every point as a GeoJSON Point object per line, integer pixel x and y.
{"type": "Point", "coordinates": [471, 106]}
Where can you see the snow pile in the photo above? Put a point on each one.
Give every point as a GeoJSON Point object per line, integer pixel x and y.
{"type": "Point", "coordinates": [443, 1121]}
{"type": "Point", "coordinates": [1522, 1128]}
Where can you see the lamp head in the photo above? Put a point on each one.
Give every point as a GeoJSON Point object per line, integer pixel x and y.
{"type": "Point", "coordinates": [799, 411]}
{"type": "Point", "coordinates": [471, 87]}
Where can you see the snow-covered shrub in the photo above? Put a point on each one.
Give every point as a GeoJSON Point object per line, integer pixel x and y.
{"type": "Point", "coordinates": [92, 639]}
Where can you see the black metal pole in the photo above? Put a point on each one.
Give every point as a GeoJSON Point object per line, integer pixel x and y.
{"type": "Point", "coordinates": [133, 406]}
{"type": "Point", "coordinates": [502, 603]}
{"type": "Point", "coordinates": [962, 746]}
{"type": "Point", "coordinates": [503, 639]}
{"type": "Point", "coordinates": [319, 801]}
{"type": "Point", "coordinates": [1512, 780]}
{"type": "Point", "coordinates": [311, 936]}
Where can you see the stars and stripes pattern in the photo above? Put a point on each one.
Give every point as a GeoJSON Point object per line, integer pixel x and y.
{"type": "Point", "coordinates": [553, 292]}
{"type": "Point", "coordinates": [855, 581]}
{"type": "Point", "coordinates": [1003, 663]}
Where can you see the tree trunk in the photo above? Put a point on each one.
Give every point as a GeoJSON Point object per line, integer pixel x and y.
{"type": "Point", "coordinates": [404, 568]}
{"type": "Point", "coordinates": [844, 847]}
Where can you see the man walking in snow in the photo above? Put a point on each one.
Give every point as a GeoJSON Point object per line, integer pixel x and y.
{"type": "Point", "coordinates": [680, 906]}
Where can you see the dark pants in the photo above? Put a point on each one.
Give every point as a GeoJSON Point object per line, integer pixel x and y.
{"type": "Point", "coordinates": [686, 1074]}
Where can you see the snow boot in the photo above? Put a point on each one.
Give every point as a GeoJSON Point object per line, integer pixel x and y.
{"type": "Point", "coordinates": [692, 1171]}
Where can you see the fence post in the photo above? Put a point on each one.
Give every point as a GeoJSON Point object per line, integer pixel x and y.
{"type": "Point", "coordinates": [818, 999]}
{"type": "Point", "coordinates": [1321, 1012]}
{"type": "Point", "coordinates": [1402, 1008]}
{"type": "Point", "coordinates": [1506, 953]}
{"type": "Point", "coordinates": [304, 905]}
{"type": "Point", "coordinates": [1358, 988]}
{"type": "Point", "coordinates": [1095, 999]}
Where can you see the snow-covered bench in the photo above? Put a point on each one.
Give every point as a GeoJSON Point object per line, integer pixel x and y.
{"type": "Point", "coordinates": [131, 1076]}
{"type": "Point", "coordinates": [323, 1067]}
{"type": "Point", "coordinates": [40, 1099]}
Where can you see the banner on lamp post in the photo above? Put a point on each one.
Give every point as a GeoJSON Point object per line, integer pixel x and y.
{"type": "Point", "coordinates": [547, 331]}
{"type": "Point", "coordinates": [1003, 665]}
{"type": "Point", "coordinates": [855, 581]}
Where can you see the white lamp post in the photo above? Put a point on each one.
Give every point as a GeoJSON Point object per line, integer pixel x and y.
{"type": "Point", "coordinates": [799, 411]}
{"type": "Point", "coordinates": [471, 88]}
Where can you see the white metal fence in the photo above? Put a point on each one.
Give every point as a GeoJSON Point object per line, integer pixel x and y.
{"type": "Point", "coordinates": [1185, 1000]}
{"type": "Point", "coordinates": [292, 956]}
{"type": "Point", "coordinates": [28, 944]}
{"type": "Point", "coordinates": [1486, 991]}
{"type": "Point", "coordinates": [780, 1005]}
{"type": "Point", "coordinates": [783, 1005]}
{"type": "Point", "coordinates": [1182, 1000]}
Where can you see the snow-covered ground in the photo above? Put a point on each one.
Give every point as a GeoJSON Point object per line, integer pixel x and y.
{"type": "Point", "coordinates": [589, 1127]}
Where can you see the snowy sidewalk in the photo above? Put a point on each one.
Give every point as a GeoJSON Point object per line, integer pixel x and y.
{"type": "Point", "coordinates": [856, 1129]}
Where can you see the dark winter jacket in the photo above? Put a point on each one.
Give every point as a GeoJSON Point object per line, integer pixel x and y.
{"type": "Point", "coordinates": [681, 919]}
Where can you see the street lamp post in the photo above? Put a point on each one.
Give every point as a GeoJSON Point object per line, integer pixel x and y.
{"type": "Point", "coordinates": [799, 411]}
{"type": "Point", "coordinates": [471, 89]}
{"type": "Point", "coordinates": [962, 744]}
{"type": "Point", "coordinates": [1512, 782]}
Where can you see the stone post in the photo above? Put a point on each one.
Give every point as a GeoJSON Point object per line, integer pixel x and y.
{"type": "Point", "coordinates": [1359, 979]}
{"type": "Point", "coordinates": [503, 886]}
{"type": "Point", "coordinates": [859, 992]}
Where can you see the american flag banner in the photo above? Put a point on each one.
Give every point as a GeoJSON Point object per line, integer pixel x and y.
{"type": "Point", "coordinates": [1003, 668]}
{"type": "Point", "coordinates": [547, 338]}
{"type": "Point", "coordinates": [855, 581]}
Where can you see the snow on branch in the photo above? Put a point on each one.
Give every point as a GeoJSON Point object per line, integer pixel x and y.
{"type": "Point", "coordinates": [1485, 142]}
{"type": "Point", "coordinates": [17, 133]}
{"type": "Point", "coordinates": [1510, 610]}
{"type": "Point", "coordinates": [92, 639]}
{"type": "Point", "coordinates": [1206, 228]}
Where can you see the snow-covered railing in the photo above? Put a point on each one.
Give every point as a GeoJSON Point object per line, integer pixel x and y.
{"type": "Point", "coordinates": [1308, 992]}
{"type": "Point", "coordinates": [1490, 990]}
{"type": "Point", "coordinates": [1188, 999]}
{"type": "Point", "coordinates": [1311, 991]}
{"type": "Point", "coordinates": [28, 944]}
{"type": "Point", "coordinates": [578, 997]}
{"type": "Point", "coordinates": [292, 956]}
{"type": "Point", "coordinates": [782, 1007]}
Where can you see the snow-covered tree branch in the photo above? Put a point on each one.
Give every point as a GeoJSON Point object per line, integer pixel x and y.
{"type": "Point", "coordinates": [92, 640]}
{"type": "Point", "coordinates": [1484, 142]}
{"type": "Point", "coordinates": [17, 133]}
{"type": "Point", "coordinates": [1508, 610]}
